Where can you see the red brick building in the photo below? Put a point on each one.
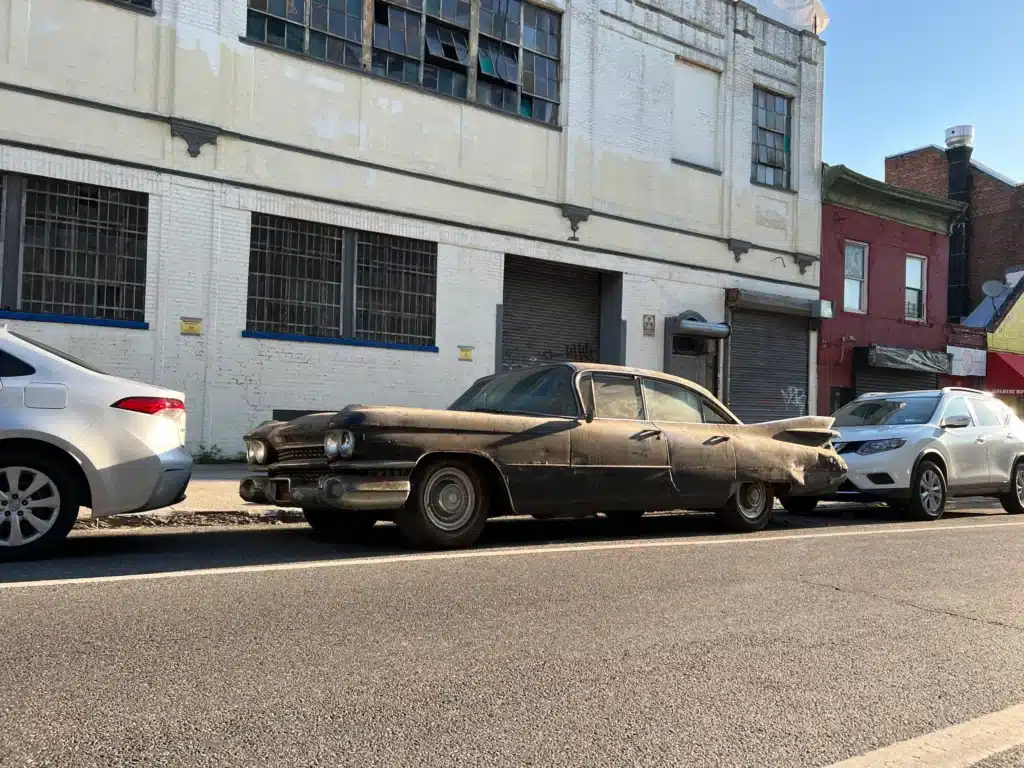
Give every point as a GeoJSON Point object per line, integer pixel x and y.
{"type": "Point", "coordinates": [884, 267]}
{"type": "Point", "coordinates": [994, 227]}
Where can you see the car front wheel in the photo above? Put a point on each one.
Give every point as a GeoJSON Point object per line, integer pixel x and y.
{"type": "Point", "coordinates": [750, 509]}
{"type": "Point", "coordinates": [448, 507]}
{"type": "Point", "coordinates": [38, 505]}
{"type": "Point", "coordinates": [927, 492]}
{"type": "Point", "coordinates": [1013, 502]}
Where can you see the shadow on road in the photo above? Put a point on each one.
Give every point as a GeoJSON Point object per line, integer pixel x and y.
{"type": "Point", "coordinates": [122, 551]}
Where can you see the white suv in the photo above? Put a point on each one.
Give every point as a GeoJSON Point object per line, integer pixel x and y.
{"type": "Point", "coordinates": [913, 449]}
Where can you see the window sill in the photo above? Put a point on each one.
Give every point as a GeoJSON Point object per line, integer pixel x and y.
{"type": "Point", "coordinates": [339, 341]}
{"type": "Point", "coordinates": [374, 76]}
{"type": "Point", "coordinates": [129, 7]}
{"type": "Point", "coordinates": [696, 166]}
{"type": "Point", "coordinates": [101, 322]}
{"type": "Point", "coordinates": [783, 190]}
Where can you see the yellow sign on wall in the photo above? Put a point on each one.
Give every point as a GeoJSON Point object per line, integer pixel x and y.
{"type": "Point", "coordinates": [191, 326]}
{"type": "Point", "coordinates": [466, 354]}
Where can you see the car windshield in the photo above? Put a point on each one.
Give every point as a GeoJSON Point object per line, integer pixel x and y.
{"type": "Point", "coordinates": [57, 353]}
{"type": "Point", "coordinates": [544, 391]}
{"type": "Point", "coordinates": [889, 411]}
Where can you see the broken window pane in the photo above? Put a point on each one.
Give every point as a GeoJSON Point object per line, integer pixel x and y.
{"type": "Point", "coordinates": [455, 11]}
{"type": "Point", "coordinates": [449, 44]}
{"type": "Point", "coordinates": [770, 160]}
{"type": "Point", "coordinates": [396, 30]}
{"type": "Point", "coordinates": [540, 76]}
{"type": "Point", "coordinates": [498, 60]}
{"type": "Point", "coordinates": [500, 19]}
{"type": "Point", "coordinates": [541, 30]}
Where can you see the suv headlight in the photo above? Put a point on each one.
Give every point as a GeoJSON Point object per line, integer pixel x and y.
{"type": "Point", "coordinates": [339, 444]}
{"type": "Point", "coordinates": [881, 446]}
{"type": "Point", "coordinates": [256, 451]}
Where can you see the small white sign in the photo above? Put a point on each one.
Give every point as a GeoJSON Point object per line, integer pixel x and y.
{"type": "Point", "coordinates": [968, 361]}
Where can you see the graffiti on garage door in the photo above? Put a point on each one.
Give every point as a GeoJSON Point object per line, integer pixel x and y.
{"type": "Point", "coordinates": [581, 352]}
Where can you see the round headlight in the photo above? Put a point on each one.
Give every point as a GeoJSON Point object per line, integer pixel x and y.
{"type": "Point", "coordinates": [346, 444]}
{"type": "Point", "coordinates": [331, 445]}
{"type": "Point", "coordinates": [256, 451]}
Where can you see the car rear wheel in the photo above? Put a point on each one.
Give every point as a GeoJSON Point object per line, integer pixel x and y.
{"type": "Point", "coordinates": [750, 509]}
{"type": "Point", "coordinates": [337, 523]}
{"type": "Point", "coordinates": [1013, 502]}
{"type": "Point", "coordinates": [448, 507]}
{"type": "Point", "coordinates": [38, 505]}
{"type": "Point", "coordinates": [799, 505]}
{"type": "Point", "coordinates": [927, 492]}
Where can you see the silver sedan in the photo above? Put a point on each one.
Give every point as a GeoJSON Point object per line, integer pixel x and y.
{"type": "Point", "coordinates": [72, 436]}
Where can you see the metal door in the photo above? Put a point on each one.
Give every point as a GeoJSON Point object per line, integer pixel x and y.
{"type": "Point", "coordinates": [892, 380]}
{"type": "Point", "coordinates": [550, 312]}
{"type": "Point", "coordinates": [769, 359]}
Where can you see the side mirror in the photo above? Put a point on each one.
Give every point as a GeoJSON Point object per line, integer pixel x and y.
{"type": "Point", "coordinates": [956, 422]}
{"type": "Point", "coordinates": [588, 405]}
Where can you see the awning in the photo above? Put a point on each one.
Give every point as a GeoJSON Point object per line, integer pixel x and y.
{"type": "Point", "coordinates": [926, 360]}
{"type": "Point", "coordinates": [1005, 375]}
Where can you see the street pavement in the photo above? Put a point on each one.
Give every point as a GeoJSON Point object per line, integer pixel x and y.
{"type": "Point", "coordinates": [553, 643]}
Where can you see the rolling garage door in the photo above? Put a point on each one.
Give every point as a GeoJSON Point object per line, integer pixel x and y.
{"type": "Point", "coordinates": [892, 380]}
{"type": "Point", "coordinates": [550, 312]}
{"type": "Point", "coordinates": [768, 366]}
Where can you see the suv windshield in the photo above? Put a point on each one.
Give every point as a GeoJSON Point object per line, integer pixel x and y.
{"type": "Point", "coordinates": [57, 353]}
{"type": "Point", "coordinates": [888, 411]}
{"type": "Point", "coordinates": [546, 391]}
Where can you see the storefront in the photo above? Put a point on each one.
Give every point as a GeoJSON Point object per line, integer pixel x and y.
{"type": "Point", "coordinates": [878, 368]}
{"type": "Point", "coordinates": [1005, 378]}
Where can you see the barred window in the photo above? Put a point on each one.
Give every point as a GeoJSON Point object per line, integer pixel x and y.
{"type": "Point", "coordinates": [426, 43]}
{"type": "Point", "coordinates": [319, 280]}
{"type": "Point", "coordinates": [295, 277]}
{"type": "Point", "coordinates": [83, 250]}
{"type": "Point", "coordinates": [772, 133]}
{"type": "Point", "coordinates": [396, 286]}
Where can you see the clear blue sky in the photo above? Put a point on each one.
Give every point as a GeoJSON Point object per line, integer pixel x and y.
{"type": "Point", "coordinates": [900, 72]}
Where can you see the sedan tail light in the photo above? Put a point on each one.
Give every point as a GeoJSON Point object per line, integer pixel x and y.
{"type": "Point", "coordinates": [149, 405]}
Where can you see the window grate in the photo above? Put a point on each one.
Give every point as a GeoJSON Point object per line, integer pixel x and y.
{"type": "Point", "coordinates": [295, 277]}
{"type": "Point", "coordinates": [771, 145]}
{"type": "Point", "coordinates": [84, 250]}
{"type": "Point", "coordinates": [395, 290]}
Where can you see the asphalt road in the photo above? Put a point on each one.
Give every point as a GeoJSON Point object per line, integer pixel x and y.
{"type": "Point", "coordinates": [553, 644]}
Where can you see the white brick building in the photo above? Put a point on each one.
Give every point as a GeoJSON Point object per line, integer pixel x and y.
{"type": "Point", "coordinates": [169, 159]}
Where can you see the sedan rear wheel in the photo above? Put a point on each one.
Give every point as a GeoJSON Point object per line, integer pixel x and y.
{"type": "Point", "coordinates": [1013, 502]}
{"type": "Point", "coordinates": [750, 509]}
{"type": "Point", "coordinates": [448, 507]}
{"type": "Point", "coordinates": [928, 492]}
{"type": "Point", "coordinates": [38, 505]}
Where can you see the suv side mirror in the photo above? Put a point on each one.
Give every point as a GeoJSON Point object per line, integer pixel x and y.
{"type": "Point", "coordinates": [956, 422]}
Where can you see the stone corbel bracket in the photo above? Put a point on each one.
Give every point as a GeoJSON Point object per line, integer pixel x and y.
{"type": "Point", "coordinates": [576, 216]}
{"type": "Point", "coordinates": [805, 261]}
{"type": "Point", "coordinates": [739, 247]}
{"type": "Point", "coordinates": [195, 135]}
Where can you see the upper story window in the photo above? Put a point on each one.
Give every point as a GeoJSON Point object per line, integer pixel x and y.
{"type": "Point", "coordinates": [915, 287]}
{"type": "Point", "coordinates": [426, 43]}
{"type": "Point", "coordinates": [855, 284]}
{"type": "Point", "coordinates": [772, 132]}
{"type": "Point", "coordinates": [83, 249]}
{"type": "Point", "coordinates": [320, 280]}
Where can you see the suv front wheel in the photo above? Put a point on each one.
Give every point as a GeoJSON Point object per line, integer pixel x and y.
{"type": "Point", "coordinates": [1013, 502]}
{"type": "Point", "coordinates": [928, 492]}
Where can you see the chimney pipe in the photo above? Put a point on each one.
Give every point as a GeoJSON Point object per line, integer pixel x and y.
{"type": "Point", "coordinates": [960, 147]}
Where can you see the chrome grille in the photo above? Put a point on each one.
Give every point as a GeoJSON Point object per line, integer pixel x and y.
{"type": "Point", "coordinates": [302, 452]}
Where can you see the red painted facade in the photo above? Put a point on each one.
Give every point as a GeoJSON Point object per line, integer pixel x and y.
{"type": "Point", "coordinates": [889, 243]}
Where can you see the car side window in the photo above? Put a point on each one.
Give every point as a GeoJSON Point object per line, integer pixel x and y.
{"type": "Point", "coordinates": [957, 407]}
{"type": "Point", "coordinates": [11, 367]}
{"type": "Point", "coordinates": [988, 414]}
{"type": "Point", "coordinates": [616, 397]}
{"type": "Point", "coordinates": [671, 403]}
{"type": "Point", "coordinates": [712, 415]}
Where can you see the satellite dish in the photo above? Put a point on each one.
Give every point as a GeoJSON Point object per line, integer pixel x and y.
{"type": "Point", "coordinates": [993, 288]}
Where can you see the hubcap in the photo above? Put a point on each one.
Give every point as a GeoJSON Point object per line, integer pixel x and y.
{"type": "Point", "coordinates": [1019, 483]}
{"type": "Point", "coordinates": [931, 491]}
{"type": "Point", "coordinates": [750, 500]}
{"type": "Point", "coordinates": [449, 499]}
{"type": "Point", "coordinates": [29, 505]}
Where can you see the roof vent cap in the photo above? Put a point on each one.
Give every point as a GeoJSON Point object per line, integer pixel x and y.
{"type": "Point", "coordinates": [960, 136]}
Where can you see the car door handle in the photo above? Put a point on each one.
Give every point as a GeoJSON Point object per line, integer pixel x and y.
{"type": "Point", "coordinates": [655, 433]}
{"type": "Point", "coordinates": [980, 440]}
{"type": "Point", "coordinates": [716, 440]}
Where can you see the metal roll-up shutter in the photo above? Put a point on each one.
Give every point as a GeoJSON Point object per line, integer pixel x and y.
{"type": "Point", "coordinates": [869, 379]}
{"type": "Point", "coordinates": [769, 357]}
{"type": "Point", "coordinates": [550, 312]}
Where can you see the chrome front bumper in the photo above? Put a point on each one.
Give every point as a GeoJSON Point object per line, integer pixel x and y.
{"type": "Point", "coordinates": [337, 491]}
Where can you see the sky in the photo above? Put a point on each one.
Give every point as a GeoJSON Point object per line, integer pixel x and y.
{"type": "Point", "coordinates": [898, 73]}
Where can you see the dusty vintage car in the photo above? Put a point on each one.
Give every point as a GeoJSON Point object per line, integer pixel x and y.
{"type": "Point", "coordinates": [553, 440]}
